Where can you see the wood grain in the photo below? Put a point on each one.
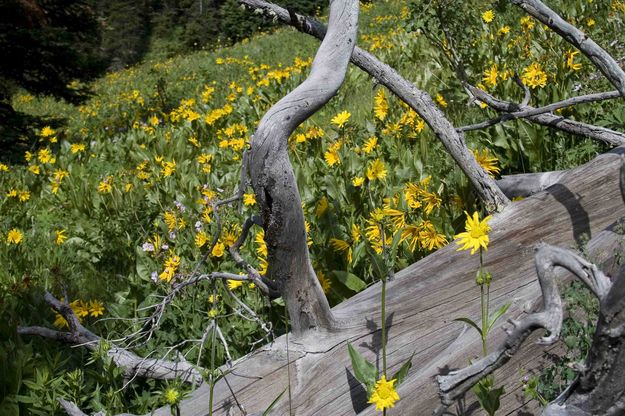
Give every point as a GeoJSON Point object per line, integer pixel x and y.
{"type": "Point", "coordinates": [423, 300]}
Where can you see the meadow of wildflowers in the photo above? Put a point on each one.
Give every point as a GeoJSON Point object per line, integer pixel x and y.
{"type": "Point", "coordinates": [112, 202]}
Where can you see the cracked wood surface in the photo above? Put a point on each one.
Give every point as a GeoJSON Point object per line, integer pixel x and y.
{"type": "Point", "coordinates": [423, 300]}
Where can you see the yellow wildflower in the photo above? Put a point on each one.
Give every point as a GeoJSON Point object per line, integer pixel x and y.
{"type": "Point", "coordinates": [96, 308]}
{"type": "Point", "coordinates": [47, 131]}
{"type": "Point", "coordinates": [358, 181]}
{"type": "Point", "coordinates": [370, 145]}
{"type": "Point", "coordinates": [490, 76]}
{"type": "Point", "coordinates": [14, 236]}
{"type": "Point", "coordinates": [77, 148]}
{"type": "Point", "coordinates": [380, 109]}
{"type": "Point", "coordinates": [249, 199]}
{"type": "Point", "coordinates": [218, 250]}
{"type": "Point", "coordinates": [488, 16]}
{"type": "Point", "coordinates": [476, 234]}
{"type": "Point", "coordinates": [332, 157]}
{"type": "Point", "coordinates": [234, 284]}
{"type": "Point", "coordinates": [324, 282]}
{"type": "Point", "coordinates": [23, 195]}
{"type": "Point", "coordinates": [441, 100]}
{"type": "Point", "coordinates": [169, 168]}
{"type": "Point", "coordinates": [376, 170]}
{"type": "Point", "coordinates": [60, 237]}
{"type": "Point", "coordinates": [384, 394]}
{"type": "Point", "coordinates": [322, 207]}
{"type": "Point", "coordinates": [570, 64]}
{"type": "Point", "coordinates": [341, 118]}
{"type": "Point", "coordinates": [533, 76]}
{"type": "Point", "coordinates": [201, 238]}
{"type": "Point", "coordinates": [105, 186]}
{"type": "Point", "coordinates": [487, 161]}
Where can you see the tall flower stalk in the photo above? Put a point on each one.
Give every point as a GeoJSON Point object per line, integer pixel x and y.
{"type": "Point", "coordinates": [380, 391]}
{"type": "Point", "coordinates": [475, 238]}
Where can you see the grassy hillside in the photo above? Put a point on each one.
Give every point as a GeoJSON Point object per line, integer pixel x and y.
{"type": "Point", "coordinates": [111, 204]}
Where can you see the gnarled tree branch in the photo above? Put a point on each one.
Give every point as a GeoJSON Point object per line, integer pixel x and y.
{"type": "Point", "coordinates": [455, 384]}
{"type": "Point", "coordinates": [133, 365]}
{"type": "Point", "coordinates": [274, 182]}
{"type": "Point", "coordinates": [418, 100]}
{"type": "Point", "coordinates": [603, 134]}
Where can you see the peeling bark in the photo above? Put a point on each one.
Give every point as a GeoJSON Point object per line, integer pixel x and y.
{"type": "Point", "coordinates": [274, 182]}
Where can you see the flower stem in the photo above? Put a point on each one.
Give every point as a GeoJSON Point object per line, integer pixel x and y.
{"type": "Point", "coordinates": [484, 308]}
{"type": "Point", "coordinates": [384, 326]}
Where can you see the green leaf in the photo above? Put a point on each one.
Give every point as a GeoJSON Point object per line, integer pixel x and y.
{"type": "Point", "coordinates": [351, 281]}
{"type": "Point", "coordinates": [275, 401]}
{"type": "Point", "coordinates": [364, 371]}
{"type": "Point", "coordinates": [487, 395]}
{"type": "Point", "coordinates": [377, 262]}
{"type": "Point", "coordinates": [278, 301]}
{"type": "Point", "coordinates": [470, 322]}
{"type": "Point", "coordinates": [496, 315]}
{"type": "Point", "coordinates": [400, 376]}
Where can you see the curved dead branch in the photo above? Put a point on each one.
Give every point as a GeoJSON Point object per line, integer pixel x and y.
{"type": "Point", "coordinates": [274, 182]}
{"type": "Point", "coordinates": [455, 384]}
{"type": "Point", "coordinates": [133, 365]}
{"type": "Point", "coordinates": [528, 112]}
{"type": "Point", "coordinates": [597, 55]}
{"type": "Point", "coordinates": [603, 134]}
{"type": "Point", "coordinates": [418, 100]}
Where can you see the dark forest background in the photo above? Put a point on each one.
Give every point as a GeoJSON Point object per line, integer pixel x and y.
{"type": "Point", "coordinates": [47, 44]}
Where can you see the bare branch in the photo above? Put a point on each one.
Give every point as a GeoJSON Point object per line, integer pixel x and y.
{"type": "Point", "coordinates": [597, 55]}
{"type": "Point", "coordinates": [455, 384]}
{"type": "Point", "coordinates": [528, 112]}
{"type": "Point", "coordinates": [611, 137]}
{"type": "Point", "coordinates": [418, 100]}
{"type": "Point", "coordinates": [132, 364]}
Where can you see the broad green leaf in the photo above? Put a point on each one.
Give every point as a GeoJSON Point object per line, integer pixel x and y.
{"type": "Point", "coordinates": [470, 322]}
{"type": "Point", "coordinates": [496, 315]}
{"type": "Point", "coordinates": [364, 371]}
{"type": "Point", "coordinates": [351, 281]}
{"type": "Point", "coordinates": [400, 376]}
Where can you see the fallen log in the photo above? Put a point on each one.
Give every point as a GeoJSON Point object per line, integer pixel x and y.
{"type": "Point", "coordinates": [422, 302]}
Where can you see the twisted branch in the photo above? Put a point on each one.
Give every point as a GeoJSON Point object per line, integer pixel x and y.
{"type": "Point", "coordinates": [455, 384]}
{"type": "Point", "coordinates": [418, 100]}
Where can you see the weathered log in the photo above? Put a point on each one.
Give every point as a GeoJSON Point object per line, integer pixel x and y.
{"type": "Point", "coordinates": [422, 302]}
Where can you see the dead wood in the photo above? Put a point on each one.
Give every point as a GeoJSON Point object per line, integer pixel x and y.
{"type": "Point", "coordinates": [423, 299]}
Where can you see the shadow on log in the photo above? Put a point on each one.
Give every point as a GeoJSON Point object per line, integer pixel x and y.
{"type": "Point", "coordinates": [425, 298]}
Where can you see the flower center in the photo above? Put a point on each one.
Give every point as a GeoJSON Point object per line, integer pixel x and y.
{"type": "Point", "coordinates": [384, 392]}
